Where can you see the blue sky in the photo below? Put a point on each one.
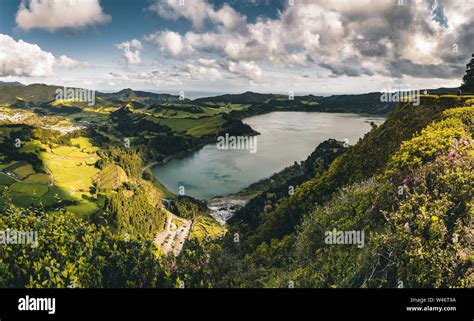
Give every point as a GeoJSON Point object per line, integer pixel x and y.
{"type": "Point", "coordinates": [130, 19]}
{"type": "Point", "coordinates": [319, 47]}
{"type": "Point", "coordinates": [94, 43]}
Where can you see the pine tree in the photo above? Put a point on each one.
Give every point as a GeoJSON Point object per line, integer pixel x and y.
{"type": "Point", "coordinates": [468, 79]}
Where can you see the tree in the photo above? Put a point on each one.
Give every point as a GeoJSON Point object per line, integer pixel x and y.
{"type": "Point", "coordinates": [468, 79]}
{"type": "Point", "coordinates": [72, 252]}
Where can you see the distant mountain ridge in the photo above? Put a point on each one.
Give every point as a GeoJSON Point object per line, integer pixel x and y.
{"type": "Point", "coordinates": [11, 93]}
{"type": "Point", "coordinates": [143, 96]}
{"type": "Point", "coordinates": [14, 83]}
{"type": "Point", "coordinates": [41, 93]}
{"type": "Point", "coordinates": [247, 97]}
{"type": "Point", "coordinates": [35, 93]}
{"type": "Point", "coordinates": [369, 103]}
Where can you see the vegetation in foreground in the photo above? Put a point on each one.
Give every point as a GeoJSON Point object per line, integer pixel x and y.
{"type": "Point", "coordinates": [412, 198]}
{"type": "Point", "coordinates": [79, 176]}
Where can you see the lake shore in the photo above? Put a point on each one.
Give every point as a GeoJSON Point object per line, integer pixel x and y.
{"type": "Point", "coordinates": [221, 177]}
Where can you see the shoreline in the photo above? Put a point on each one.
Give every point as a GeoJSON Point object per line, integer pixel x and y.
{"type": "Point", "coordinates": [204, 143]}
{"type": "Point", "coordinates": [223, 207]}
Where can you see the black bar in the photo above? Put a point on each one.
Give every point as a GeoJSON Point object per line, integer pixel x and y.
{"type": "Point", "coordinates": [156, 304]}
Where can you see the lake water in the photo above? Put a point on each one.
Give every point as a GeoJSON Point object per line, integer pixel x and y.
{"type": "Point", "coordinates": [285, 137]}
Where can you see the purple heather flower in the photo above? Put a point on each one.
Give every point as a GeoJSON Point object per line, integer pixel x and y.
{"type": "Point", "coordinates": [407, 181]}
{"type": "Point", "coordinates": [452, 155]}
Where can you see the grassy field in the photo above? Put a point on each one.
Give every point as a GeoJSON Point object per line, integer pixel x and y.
{"type": "Point", "coordinates": [71, 168]}
{"type": "Point", "coordinates": [83, 208]}
{"type": "Point", "coordinates": [68, 176]}
{"type": "Point", "coordinates": [33, 146]}
{"type": "Point", "coordinates": [194, 127]}
{"type": "Point", "coordinates": [29, 189]}
{"type": "Point", "coordinates": [205, 227]}
{"type": "Point", "coordinates": [5, 180]}
{"type": "Point", "coordinates": [20, 169]}
{"type": "Point", "coordinates": [40, 178]}
{"type": "Point", "coordinates": [84, 144]}
{"type": "Point", "coordinates": [71, 164]}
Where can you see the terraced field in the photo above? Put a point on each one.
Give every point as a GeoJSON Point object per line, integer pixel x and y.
{"type": "Point", "coordinates": [68, 175]}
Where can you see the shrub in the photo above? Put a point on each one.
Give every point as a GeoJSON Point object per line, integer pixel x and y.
{"type": "Point", "coordinates": [74, 253]}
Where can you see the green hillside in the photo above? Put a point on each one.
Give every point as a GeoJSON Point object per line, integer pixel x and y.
{"type": "Point", "coordinates": [244, 98]}
{"type": "Point", "coordinates": [14, 83]}
{"type": "Point", "coordinates": [406, 184]}
{"type": "Point", "coordinates": [36, 93]}
{"type": "Point", "coordinates": [128, 94]}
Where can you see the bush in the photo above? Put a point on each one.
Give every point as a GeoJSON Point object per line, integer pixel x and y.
{"type": "Point", "coordinates": [74, 253]}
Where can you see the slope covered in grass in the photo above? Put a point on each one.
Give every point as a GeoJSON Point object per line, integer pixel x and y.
{"type": "Point", "coordinates": [407, 185]}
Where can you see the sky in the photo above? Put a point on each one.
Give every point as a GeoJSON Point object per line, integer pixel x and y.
{"type": "Point", "coordinates": [316, 47]}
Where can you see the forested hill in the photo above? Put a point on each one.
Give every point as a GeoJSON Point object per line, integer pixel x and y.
{"type": "Point", "coordinates": [369, 103]}
{"type": "Point", "coordinates": [32, 95]}
{"type": "Point", "coordinates": [36, 93]}
{"type": "Point", "coordinates": [126, 95]}
{"type": "Point", "coordinates": [407, 185]}
{"type": "Point", "coordinates": [13, 83]}
{"type": "Point", "coordinates": [262, 103]}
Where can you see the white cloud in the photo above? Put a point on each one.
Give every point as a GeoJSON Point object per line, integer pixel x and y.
{"type": "Point", "coordinates": [246, 68]}
{"type": "Point", "coordinates": [198, 72]}
{"type": "Point", "coordinates": [23, 59]}
{"type": "Point", "coordinates": [171, 9]}
{"type": "Point", "coordinates": [131, 51]}
{"type": "Point", "coordinates": [198, 12]}
{"type": "Point", "coordinates": [69, 63]}
{"type": "Point", "coordinates": [365, 37]}
{"type": "Point", "coordinates": [228, 17]}
{"type": "Point", "coordinates": [176, 46]}
{"type": "Point", "coordinates": [58, 14]}
{"type": "Point", "coordinates": [171, 43]}
{"type": "Point", "coordinates": [19, 58]}
{"type": "Point", "coordinates": [208, 62]}
{"type": "Point", "coordinates": [330, 41]}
